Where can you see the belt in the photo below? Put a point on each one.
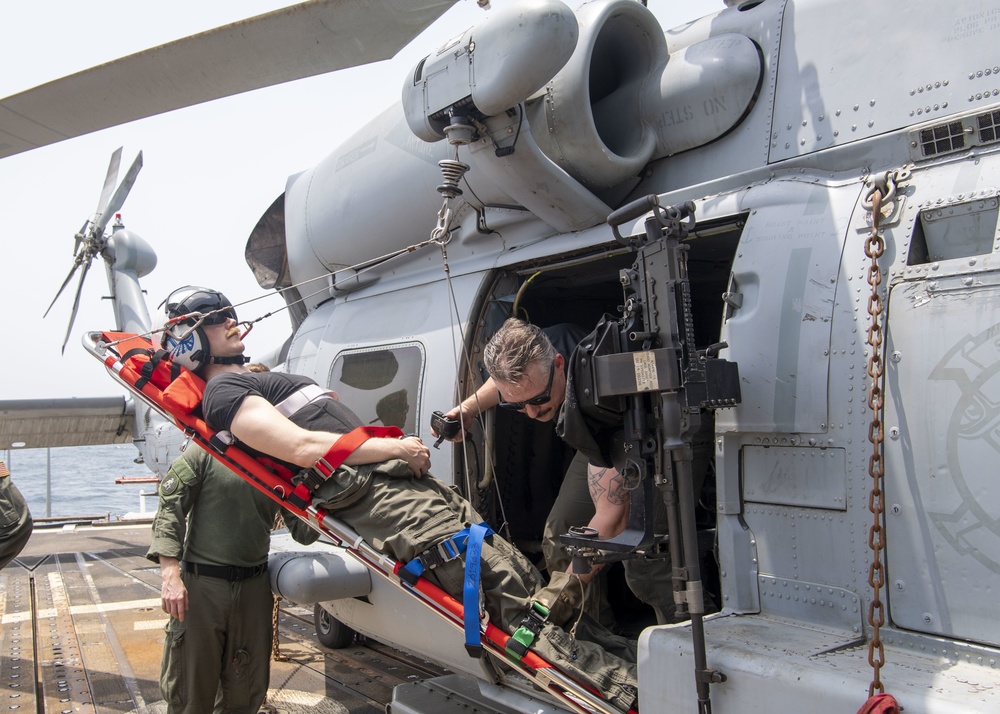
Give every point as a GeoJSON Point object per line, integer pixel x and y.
{"type": "Point", "coordinates": [232, 573]}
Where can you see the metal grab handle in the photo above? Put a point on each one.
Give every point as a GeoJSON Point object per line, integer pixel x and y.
{"type": "Point", "coordinates": [633, 210]}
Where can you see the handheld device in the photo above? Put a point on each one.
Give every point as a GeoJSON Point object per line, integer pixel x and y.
{"type": "Point", "coordinates": [444, 427]}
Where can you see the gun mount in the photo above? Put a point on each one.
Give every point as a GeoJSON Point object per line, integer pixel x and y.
{"type": "Point", "coordinates": [643, 386]}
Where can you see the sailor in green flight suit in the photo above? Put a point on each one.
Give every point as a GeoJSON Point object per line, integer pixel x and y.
{"type": "Point", "coordinates": [211, 537]}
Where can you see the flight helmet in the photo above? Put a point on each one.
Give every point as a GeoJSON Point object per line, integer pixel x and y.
{"type": "Point", "coordinates": [185, 339]}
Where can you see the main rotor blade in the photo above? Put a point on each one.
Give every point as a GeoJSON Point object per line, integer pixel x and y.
{"type": "Point", "coordinates": [119, 198]}
{"type": "Point", "coordinates": [303, 40]}
{"type": "Point", "coordinates": [109, 180]}
{"type": "Point", "coordinates": [76, 305]}
{"type": "Point", "coordinates": [76, 264]}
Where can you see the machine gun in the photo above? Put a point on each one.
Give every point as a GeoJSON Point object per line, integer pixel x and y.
{"type": "Point", "coordinates": [641, 386]}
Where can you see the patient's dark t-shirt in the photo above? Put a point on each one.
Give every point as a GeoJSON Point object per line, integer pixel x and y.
{"type": "Point", "coordinates": [225, 392]}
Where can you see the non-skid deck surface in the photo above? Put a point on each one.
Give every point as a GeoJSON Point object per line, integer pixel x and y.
{"type": "Point", "coordinates": [82, 632]}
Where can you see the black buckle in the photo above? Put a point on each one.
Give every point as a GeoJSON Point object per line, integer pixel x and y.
{"type": "Point", "coordinates": [431, 558]}
{"type": "Point", "coordinates": [439, 554]}
{"type": "Point", "coordinates": [520, 642]}
{"type": "Point", "coordinates": [237, 572]}
{"type": "Point", "coordinates": [534, 620]}
{"type": "Point", "coordinates": [310, 478]}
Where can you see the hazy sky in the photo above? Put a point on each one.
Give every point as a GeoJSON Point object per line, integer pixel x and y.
{"type": "Point", "coordinates": [209, 171]}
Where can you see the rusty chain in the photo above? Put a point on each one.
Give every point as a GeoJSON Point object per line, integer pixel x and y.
{"type": "Point", "coordinates": [276, 655]}
{"type": "Point", "coordinates": [874, 247]}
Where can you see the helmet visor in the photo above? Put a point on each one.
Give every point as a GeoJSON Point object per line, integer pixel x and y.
{"type": "Point", "coordinates": [210, 306]}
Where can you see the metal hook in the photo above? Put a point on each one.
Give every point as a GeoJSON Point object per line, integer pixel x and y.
{"type": "Point", "coordinates": [440, 234]}
{"type": "Point", "coordinates": [887, 184]}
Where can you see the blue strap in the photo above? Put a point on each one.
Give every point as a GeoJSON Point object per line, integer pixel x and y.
{"type": "Point", "coordinates": [470, 593]}
{"type": "Point", "coordinates": [446, 550]}
{"type": "Point", "coordinates": [415, 568]}
{"type": "Point", "coordinates": [470, 542]}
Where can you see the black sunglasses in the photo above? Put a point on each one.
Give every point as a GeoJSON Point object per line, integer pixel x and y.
{"type": "Point", "coordinates": [537, 401]}
{"type": "Point", "coordinates": [217, 318]}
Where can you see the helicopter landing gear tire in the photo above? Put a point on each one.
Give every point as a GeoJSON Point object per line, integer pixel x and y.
{"type": "Point", "coordinates": [330, 631]}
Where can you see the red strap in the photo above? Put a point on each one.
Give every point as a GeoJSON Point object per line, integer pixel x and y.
{"type": "Point", "coordinates": [345, 446]}
{"type": "Point", "coordinates": [880, 704]}
{"type": "Point", "coordinates": [282, 471]}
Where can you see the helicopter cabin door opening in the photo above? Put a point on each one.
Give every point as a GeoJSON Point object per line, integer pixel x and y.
{"type": "Point", "coordinates": [519, 478]}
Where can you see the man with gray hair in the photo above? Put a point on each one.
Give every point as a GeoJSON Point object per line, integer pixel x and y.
{"type": "Point", "coordinates": [528, 368]}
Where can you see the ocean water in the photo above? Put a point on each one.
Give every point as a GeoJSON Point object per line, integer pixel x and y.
{"type": "Point", "coordinates": [82, 480]}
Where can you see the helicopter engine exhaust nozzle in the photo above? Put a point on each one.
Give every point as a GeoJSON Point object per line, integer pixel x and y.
{"type": "Point", "coordinates": [590, 118]}
{"type": "Point", "coordinates": [625, 99]}
{"type": "Point", "coordinates": [307, 578]}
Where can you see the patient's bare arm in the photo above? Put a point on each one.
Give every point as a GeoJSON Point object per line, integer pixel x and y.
{"type": "Point", "coordinates": [259, 425]}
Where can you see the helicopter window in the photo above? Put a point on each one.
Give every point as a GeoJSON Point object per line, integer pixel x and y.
{"type": "Point", "coordinates": [418, 73]}
{"type": "Point", "coordinates": [381, 384]}
{"type": "Point", "coordinates": [955, 230]}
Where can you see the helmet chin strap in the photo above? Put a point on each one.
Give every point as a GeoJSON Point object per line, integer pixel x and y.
{"type": "Point", "coordinates": [235, 359]}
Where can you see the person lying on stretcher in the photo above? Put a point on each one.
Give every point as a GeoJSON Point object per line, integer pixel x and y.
{"type": "Point", "coordinates": [385, 492]}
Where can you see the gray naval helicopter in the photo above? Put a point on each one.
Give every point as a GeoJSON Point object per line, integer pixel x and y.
{"type": "Point", "coordinates": [789, 210]}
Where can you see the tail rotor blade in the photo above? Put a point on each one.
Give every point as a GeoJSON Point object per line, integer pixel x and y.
{"type": "Point", "coordinates": [89, 241]}
{"type": "Point", "coordinates": [62, 287]}
{"type": "Point", "coordinates": [76, 305]}
{"type": "Point", "coordinates": [110, 180]}
{"type": "Point", "coordinates": [119, 198]}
